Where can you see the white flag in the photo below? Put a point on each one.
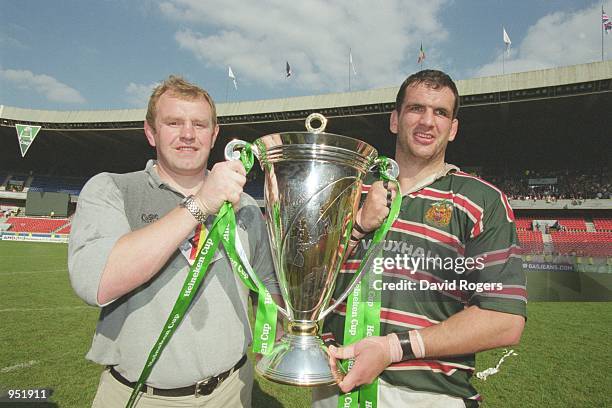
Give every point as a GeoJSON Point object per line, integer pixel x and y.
{"type": "Point", "coordinates": [351, 62]}
{"type": "Point", "coordinates": [507, 41]}
{"type": "Point", "coordinates": [230, 73]}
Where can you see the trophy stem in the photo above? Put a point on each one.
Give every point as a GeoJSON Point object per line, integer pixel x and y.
{"type": "Point", "coordinates": [303, 328]}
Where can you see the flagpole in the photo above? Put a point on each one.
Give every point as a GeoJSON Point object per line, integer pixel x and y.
{"type": "Point", "coordinates": [227, 89]}
{"type": "Point", "coordinates": [504, 53]}
{"type": "Point", "coordinates": [349, 67]}
{"type": "Point", "coordinates": [602, 31]}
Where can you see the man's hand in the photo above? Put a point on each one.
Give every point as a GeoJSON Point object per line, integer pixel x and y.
{"type": "Point", "coordinates": [376, 206]}
{"type": "Point", "coordinates": [224, 183]}
{"type": "Point", "coordinates": [372, 355]}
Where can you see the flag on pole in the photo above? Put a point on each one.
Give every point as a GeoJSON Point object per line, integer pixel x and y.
{"type": "Point", "coordinates": [288, 69]}
{"type": "Point", "coordinates": [26, 135]}
{"type": "Point", "coordinates": [605, 21]}
{"type": "Point", "coordinates": [507, 41]}
{"type": "Point", "coordinates": [421, 55]}
{"type": "Point", "coordinates": [230, 74]}
{"type": "Point", "coordinates": [351, 62]}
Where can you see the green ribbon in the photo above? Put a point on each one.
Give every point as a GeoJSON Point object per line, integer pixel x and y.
{"type": "Point", "coordinates": [364, 303]}
{"type": "Point", "coordinates": [222, 230]}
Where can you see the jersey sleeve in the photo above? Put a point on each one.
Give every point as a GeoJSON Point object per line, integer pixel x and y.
{"type": "Point", "coordinates": [497, 281]}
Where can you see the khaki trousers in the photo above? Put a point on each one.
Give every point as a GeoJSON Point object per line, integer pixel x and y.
{"type": "Point", "coordinates": [235, 391]}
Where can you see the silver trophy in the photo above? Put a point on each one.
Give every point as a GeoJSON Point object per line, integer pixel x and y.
{"type": "Point", "coordinates": [312, 188]}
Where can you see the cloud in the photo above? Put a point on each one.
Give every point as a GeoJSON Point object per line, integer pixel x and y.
{"type": "Point", "coordinates": [256, 38]}
{"type": "Point", "coordinates": [46, 85]}
{"type": "Point", "coordinates": [558, 39]}
{"type": "Point", "coordinates": [10, 42]}
{"type": "Point", "coordinates": [138, 94]}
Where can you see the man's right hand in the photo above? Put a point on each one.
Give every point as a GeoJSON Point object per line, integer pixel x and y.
{"type": "Point", "coordinates": [376, 206]}
{"type": "Point", "coordinates": [223, 183]}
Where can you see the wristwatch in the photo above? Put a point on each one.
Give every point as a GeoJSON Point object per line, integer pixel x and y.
{"type": "Point", "coordinates": [190, 204]}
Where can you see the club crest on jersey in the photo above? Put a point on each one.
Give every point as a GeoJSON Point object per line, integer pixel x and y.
{"type": "Point", "coordinates": [440, 213]}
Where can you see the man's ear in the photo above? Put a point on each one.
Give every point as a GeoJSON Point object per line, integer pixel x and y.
{"type": "Point", "coordinates": [393, 122]}
{"type": "Point", "coordinates": [150, 133]}
{"type": "Point", "coordinates": [453, 130]}
{"type": "Point", "coordinates": [214, 136]}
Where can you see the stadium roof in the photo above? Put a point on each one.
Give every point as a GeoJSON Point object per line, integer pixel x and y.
{"type": "Point", "coordinates": [472, 91]}
{"type": "Point", "coordinates": [554, 118]}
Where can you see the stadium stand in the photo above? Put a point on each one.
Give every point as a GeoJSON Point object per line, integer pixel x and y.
{"type": "Point", "coordinates": [531, 242]}
{"type": "Point", "coordinates": [597, 244]}
{"type": "Point", "coordinates": [3, 179]}
{"type": "Point", "coordinates": [523, 223]}
{"type": "Point", "coordinates": [35, 224]}
{"type": "Point", "coordinates": [573, 224]}
{"type": "Point", "coordinates": [16, 182]}
{"type": "Point", "coordinates": [70, 185]}
{"type": "Point", "coordinates": [564, 184]}
{"type": "Point", "coordinates": [64, 230]}
{"type": "Point", "coordinates": [603, 224]}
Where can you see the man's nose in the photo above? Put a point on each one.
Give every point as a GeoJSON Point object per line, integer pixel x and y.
{"type": "Point", "coordinates": [188, 131]}
{"type": "Point", "coordinates": [427, 117]}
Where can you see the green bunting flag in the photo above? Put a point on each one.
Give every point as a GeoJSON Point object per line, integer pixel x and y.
{"type": "Point", "coordinates": [26, 135]}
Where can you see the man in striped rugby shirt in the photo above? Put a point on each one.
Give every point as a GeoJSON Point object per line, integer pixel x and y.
{"type": "Point", "coordinates": [452, 281]}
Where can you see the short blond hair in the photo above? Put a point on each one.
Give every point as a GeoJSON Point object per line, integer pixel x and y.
{"type": "Point", "coordinates": [179, 87]}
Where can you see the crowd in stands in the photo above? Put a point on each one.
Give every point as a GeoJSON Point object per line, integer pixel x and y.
{"type": "Point", "coordinates": [549, 185]}
{"type": "Point", "coordinates": [562, 185]}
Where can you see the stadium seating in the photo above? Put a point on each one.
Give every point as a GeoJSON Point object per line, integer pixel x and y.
{"type": "Point", "coordinates": [35, 224]}
{"type": "Point", "coordinates": [573, 224]}
{"type": "Point", "coordinates": [598, 244]}
{"type": "Point", "coordinates": [531, 241]}
{"type": "Point", "coordinates": [70, 185]}
{"type": "Point", "coordinates": [603, 224]}
{"type": "Point", "coordinates": [64, 230]}
{"type": "Point", "coordinates": [523, 223]}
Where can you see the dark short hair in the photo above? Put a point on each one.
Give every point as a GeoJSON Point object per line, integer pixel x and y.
{"type": "Point", "coordinates": [180, 88]}
{"type": "Point", "coordinates": [431, 78]}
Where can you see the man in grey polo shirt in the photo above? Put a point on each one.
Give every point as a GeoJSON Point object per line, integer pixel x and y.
{"type": "Point", "coordinates": [133, 238]}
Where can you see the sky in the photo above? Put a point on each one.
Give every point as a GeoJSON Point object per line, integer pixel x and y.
{"type": "Point", "coordinates": [109, 54]}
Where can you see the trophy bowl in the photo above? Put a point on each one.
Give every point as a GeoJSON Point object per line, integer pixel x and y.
{"type": "Point", "coordinates": [312, 189]}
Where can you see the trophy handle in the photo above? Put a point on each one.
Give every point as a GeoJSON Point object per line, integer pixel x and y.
{"type": "Point", "coordinates": [390, 169]}
{"type": "Point", "coordinates": [232, 152]}
{"type": "Point", "coordinates": [232, 149]}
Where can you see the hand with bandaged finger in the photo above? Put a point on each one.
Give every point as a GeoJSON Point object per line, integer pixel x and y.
{"type": "Point", "coordinates": [376, 207]}
{"type": "Point", "coordinates": [372, 355]}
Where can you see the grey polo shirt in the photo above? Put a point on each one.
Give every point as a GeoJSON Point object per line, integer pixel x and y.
{"type": "Point", "coordinates": [215, 332]}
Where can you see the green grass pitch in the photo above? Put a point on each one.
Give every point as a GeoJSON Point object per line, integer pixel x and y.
{"type": "Point", "coordinates": [563, 360]}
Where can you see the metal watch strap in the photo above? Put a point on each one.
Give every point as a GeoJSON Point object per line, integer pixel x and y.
{"type": "Point", "coordinates": [407, 353]}
{"type": "Point", "coordinates": [190, 204]}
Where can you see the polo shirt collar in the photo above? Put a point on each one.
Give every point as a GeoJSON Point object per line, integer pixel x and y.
{"type": "Point", "coordinates": [447, 169]}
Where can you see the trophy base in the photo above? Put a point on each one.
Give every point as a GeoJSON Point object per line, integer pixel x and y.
{"type": "Point", "coordinates": [300, 360]}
